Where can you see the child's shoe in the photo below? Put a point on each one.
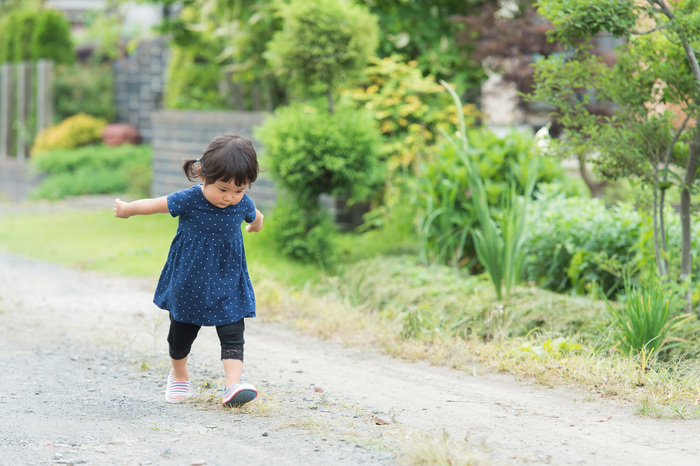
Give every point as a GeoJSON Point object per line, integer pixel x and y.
{"type": "Point", "coordinates": [239, 394]}
{"type": "Point", "coordinates": [176, 390]}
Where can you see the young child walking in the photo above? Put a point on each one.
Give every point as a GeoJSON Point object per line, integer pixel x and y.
{"type": "Point", "coordinates": [205, 279]}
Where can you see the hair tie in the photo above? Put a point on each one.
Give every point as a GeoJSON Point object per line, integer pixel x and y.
{"type": "Point", "coordinates": [197, 161]}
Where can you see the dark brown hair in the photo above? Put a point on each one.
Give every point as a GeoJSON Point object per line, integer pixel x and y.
{"type": "Point", "coordinates": [227, 157]}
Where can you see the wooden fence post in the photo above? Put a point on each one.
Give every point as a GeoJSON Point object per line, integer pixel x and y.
{"type": "Point", "coordinates": [6, 110]}
{"type": "Point", "coordinates": [44, 94]}
{"type": "Point", "coordinates": [24, 91]}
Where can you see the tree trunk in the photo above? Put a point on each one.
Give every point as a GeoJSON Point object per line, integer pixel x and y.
{"type": "Point", "coordinates": [686, 252]}
{"type": "Point", "coordinates": [331, 106]}
{"type": "Point", "coordinates": [596, 187]}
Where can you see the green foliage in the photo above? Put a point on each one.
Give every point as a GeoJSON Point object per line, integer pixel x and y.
{"type": "Point", "coordinates": [575, 20]}
{"type": "Point", "coordinates": [572, 241]}
{"type": "Point", "coordinates": [646, 317]}
{"type": "Point", "coordinates": [500, 250]}
{"type": "Point", "coordinates": [23, 23]}
{"type": "Point", "coordinates": [75, 131]}
{"type": "Point", "coordinates": [311, 152]}
{"type": "Point", "coordinates": [51, 38]}
{"type": "Point", "coordinates": [93, 170]}
{"type": "Point", "coordinates": [409, 107]}
{"type": "Point", "coordinates": [425, 31]}
{"type": "Point", "coordinates": [84, 88]}
{"type": "Point", "coordinates": [322, 43]}
{"type": "Point", "coordinates": [303, 233]}
{"type": "Point", "coordinates": [193, 82]}
{"type": "Point", "coordinates": [446, 211]}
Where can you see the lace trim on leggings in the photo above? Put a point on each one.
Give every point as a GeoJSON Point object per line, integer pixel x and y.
{"type": "Point", "coordinates": [179, 354]}
{"type": "Point", "coordinates": [232, 352]}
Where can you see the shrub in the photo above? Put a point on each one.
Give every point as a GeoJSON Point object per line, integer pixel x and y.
{"type": "Point", "coordinates": [75, 131]}
{"type": "Point", "coordinates": [84, 88]}
{"type": "Point", "coordinates": [573, 242]}
{"type": "Point", "coordinates": [193, 81]}
{"type": "Point", "coordinates": [322, 44]}
{"type": "Point", "coordinates": [93, 170]}
{"type": "Point", "coordinates": [51, 38]}
{"type": "Point", "coordinates": [409, 108]}
{"type": "Point", "coordinates": [310, 153]}
{"type": "Point", "coordinates": [446, 213]}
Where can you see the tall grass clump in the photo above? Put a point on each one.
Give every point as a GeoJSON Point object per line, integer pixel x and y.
{"type": "Point", "coordinates": [499, 246]}
{"type": "Point", "coordinates": [646, 317]}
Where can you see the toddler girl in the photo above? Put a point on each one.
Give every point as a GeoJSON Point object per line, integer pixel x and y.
{"type": "Point", "coordinates": [205, 278]}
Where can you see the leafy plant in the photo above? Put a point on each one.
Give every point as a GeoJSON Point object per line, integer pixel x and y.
{"type": "Point", "coordinates": [51, 38]}
{"type": "Point", "coordinates": [311, 152]}
{"type": "Point", "coordinates": [75, 131]}
{"type": "Point", "coordinates": [646, 317]}
{"type": "Point", "coordinates": [84, 88]}
{"type": "Point", "coordinates": [322, 44]}
{"type": "Point", "coordinates": [93, 170]}
{"type": "Point", "coordinates": [572, 239]}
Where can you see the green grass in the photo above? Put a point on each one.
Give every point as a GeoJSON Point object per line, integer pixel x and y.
{"type": "Point", "coordinates": [137, 247]}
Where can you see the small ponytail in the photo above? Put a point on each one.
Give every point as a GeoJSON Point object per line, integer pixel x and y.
{"type": "Point", "coordinates": [191, 170]}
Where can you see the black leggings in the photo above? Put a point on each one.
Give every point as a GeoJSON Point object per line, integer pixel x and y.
{"type": "Point", "coordinates": [182, 335]}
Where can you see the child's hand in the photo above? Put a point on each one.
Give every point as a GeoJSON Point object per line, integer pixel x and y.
{"type": "Point", "coordinates": [120, 209]}
{"type": "Point", "coordinates": [257, 223]}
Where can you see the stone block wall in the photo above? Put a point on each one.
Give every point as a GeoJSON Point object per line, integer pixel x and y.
{"type": "Point", "coordinates": [139, 83]}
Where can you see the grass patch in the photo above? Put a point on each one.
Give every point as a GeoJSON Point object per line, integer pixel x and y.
{"type": "Point", "coordinates": [400, 307]}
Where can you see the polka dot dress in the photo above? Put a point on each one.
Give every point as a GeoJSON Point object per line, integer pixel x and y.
{"type": "Point", "coordinates": [205, 278]}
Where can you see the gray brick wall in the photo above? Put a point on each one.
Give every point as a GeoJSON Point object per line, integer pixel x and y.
{"type": "Point", "coordinates": [139, 82]}
{"type": "Point", "coordinates": [179, 135]}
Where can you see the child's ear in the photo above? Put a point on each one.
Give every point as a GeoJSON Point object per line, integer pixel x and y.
{"type": "Point", "coordinates": [199, 172]}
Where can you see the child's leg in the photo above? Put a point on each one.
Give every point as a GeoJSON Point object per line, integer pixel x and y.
{"type": "Point", "coordinates": [231, 337]}
{"type": "Point", "coordinates": [180, 339]}
{"type": "Point", "coordinates": [232, 341]}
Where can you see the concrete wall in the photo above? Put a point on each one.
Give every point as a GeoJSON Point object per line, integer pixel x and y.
{"type": "Point", "coordinates": [180, 135]}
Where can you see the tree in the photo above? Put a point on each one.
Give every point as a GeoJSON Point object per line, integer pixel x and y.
{"type": "Point", "coordinates": [656, 70]}
{"type": "Point", "coordinates": [428, 31]}
{"type": "Point", "coordinates": [323, 44]}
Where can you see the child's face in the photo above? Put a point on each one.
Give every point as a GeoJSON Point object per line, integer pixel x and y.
{"type": "Point", "coordinates": [223, 194]}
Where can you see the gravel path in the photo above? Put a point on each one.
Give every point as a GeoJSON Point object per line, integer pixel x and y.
{"type": "Point", "coordinates": [84, 359]}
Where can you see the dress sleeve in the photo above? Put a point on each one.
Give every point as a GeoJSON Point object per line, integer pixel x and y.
{"type": "Point", "coordinates": [178, 201]}
{"type": "Point", "coordinates": [249, 209]}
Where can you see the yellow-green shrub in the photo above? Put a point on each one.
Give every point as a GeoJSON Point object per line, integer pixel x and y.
{"type": "Point", "coordinates": [75, 131]}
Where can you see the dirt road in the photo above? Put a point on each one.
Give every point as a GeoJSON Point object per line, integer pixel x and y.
{"type": "Point", "coordinates": [84, 359]}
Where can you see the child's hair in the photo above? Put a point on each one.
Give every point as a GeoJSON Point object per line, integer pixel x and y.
{"type": "Point", "coordinates": [227, 157]}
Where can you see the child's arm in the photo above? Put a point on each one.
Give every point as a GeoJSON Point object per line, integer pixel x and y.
{"type": "Point", "coordinates": [141, 207]}
{"type": "Point", "coordinates": [257, 224]}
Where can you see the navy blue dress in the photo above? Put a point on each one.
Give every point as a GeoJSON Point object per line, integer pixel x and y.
{"type": "Point", "coordinates": [205, 278]}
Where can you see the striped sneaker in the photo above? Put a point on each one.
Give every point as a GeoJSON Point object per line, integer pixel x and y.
{"type": "Point", "coordinates": [239, 394]}
{"type": "Point", "coordinates": [176, 391]}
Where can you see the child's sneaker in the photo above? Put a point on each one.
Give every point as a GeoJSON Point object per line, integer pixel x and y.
{"type": "Point", "coordinates": [239, 394]}
{"type": "Point", "coordinates": [176, 390]}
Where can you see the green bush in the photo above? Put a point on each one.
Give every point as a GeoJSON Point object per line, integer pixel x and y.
{"type": "Point", "coordinates": [51, 38]}
{"type": "Point", "coordinates": [311, 152]}
{"type": "Point", "coordinates": [93, 170]}
{"type": "Point", "coordinates": [322, 44]}
{"type": "Point", "coordinates": [576, 243]}
{"type": "Point", "coordinates": [446, 214]}
{"type": "Point", "coordinates": [193, 81]}
{"type": "Point", "coordinates": [75, 131]}
{"type": "Point", "coordinates": [84, 88]}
